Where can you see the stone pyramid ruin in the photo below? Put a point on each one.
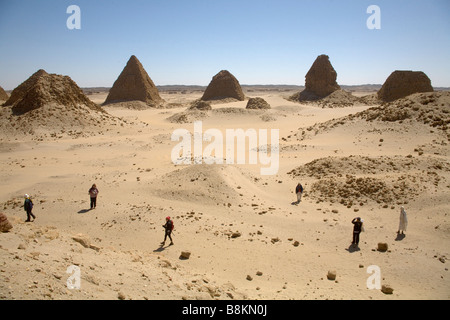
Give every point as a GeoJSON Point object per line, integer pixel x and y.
{"type": "Point", "coordinates": [43, 89]}
{"type": "Point", "coordinates": [3, 95]}
{"type": "Point", "coordinates": [222, 86]}
{"type": "Point", "coordinates": [257, 103]}
{"type": "Point", "coordinates": [320, 81]}
{"type": "Point", "coordinates": [49, 105]}
{"type": "Point", "coordinates": [134, 84]}
{"type": "Point", "coordinates": [403, 83]}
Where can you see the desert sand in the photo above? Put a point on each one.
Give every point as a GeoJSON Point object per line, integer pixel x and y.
{"type": "Point", "coordinates": [247, 237]}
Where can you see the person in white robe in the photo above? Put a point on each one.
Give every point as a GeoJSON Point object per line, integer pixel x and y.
{"type": "Point", "coordinates": [403, 221]}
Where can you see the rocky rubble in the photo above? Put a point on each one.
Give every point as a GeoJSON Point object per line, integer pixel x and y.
{"type": "Point", "coordinates": [257, 103]}
{"type": "Point", "coordinates": [355, 180]}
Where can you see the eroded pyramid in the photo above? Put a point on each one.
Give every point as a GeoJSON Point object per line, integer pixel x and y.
{"type": "Point", "coordinates": [403, 83]}
{"type": "Point", "coordinates": [320, 81]}
{"type": "Point", "coordinates": [50, 106]}
{"type": "Point", "coordinates": [223, 85]}
{"type": "Point", "coordinates": [134, 84]}
{"type": "Point", "coordinates": [43, 89]}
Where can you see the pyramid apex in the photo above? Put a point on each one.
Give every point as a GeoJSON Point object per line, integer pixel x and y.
{"type": "Point", "coordinates": [40, 72]}
{"type": "Point", "coordinates": [133, 57]}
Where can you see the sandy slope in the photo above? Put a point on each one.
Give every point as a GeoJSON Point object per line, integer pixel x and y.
{"type": "Point", "coordinates": [235, 222]}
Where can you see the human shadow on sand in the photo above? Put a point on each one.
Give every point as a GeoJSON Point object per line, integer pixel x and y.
{"type": "Point", "coordinates": [400, 237]}
{"type": "Point", "coordinates": [352, 248]}
{"type": "Point", "coordinates": [162, 248]}
{"type": "Point", "coordinates": [84, 211]}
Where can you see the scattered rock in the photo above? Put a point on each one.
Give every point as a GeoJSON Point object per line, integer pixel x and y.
{"type": "Point", "coordinates": [82, 239]}
{"type": "Point", "coordinates": [387, 289]}
{"type": "Point", "coordinates": [94, 247]}
{"type": "Point", "coordinates": [331, 275]}
{"type": "Point", "coordinates": [121, 296]}
{"type": "Point", "coordinates": [249, 277]}
{"type": "Point", "coordinates": [185, 255]}
{"type": "Point", "coordinates": [382, 246]}
{"type": "Point", "coordinates": [235, 234]}
{"type": "Point", "coordinates": [275, 240]}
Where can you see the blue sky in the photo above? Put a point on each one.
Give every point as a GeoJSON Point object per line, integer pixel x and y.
{"type": "Point", "coordinates": [189, 41]}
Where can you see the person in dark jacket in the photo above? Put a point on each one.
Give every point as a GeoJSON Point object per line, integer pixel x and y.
{"type": "Point", "coordinates": [93, 192]}
{"type": "Point", "coordinates": [168, 231]}
{"type": "Point", "coordinates": [357, 228]}
{"type": "Point", "coordinates": [299, 192]}
{"type": "Point", "coordinates": [28, 207]}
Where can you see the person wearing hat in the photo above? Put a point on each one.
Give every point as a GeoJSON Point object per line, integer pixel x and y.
{"type": "Point", "coordinates": [168, 227]}
{"type": "Point", "coordinates": [28, 207]}
{"type": "Point", "coordinates": [357, 228]}
{"type": "Point", "coordinates": [93, 192]}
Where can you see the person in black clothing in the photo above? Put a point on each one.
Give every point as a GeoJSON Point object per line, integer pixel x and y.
{"type": "Point", "coordinates": [299, 192]}
{"type": "Point", "coordinates": [168, 227]}
{"type": "Point", "coordinates": [28, 207]}
{"type": "Point", "coordinates": [357, 228]}
{"type": "Point", "coordinates": [93, 192]}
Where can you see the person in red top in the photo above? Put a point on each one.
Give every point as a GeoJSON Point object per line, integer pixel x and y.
{"type": "Point", "coordinates": [299, 192]}
{"type": "Point", "coordinates": [168, 227]}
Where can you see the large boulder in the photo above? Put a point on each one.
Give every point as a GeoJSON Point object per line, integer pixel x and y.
{"type": "Point", "coordinates": [223, 85]}
{"type": "Point", "coordinates": [134, 84]}
{"type": "Point", "coordinates": [5, 225]}
{"type": "Point", "coordinates": [403, 83]}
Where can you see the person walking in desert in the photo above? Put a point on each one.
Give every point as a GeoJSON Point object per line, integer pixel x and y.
{"type": "Point", "coordinates": [403, 221]}
{"type": "Point", "coordinates": [93, 192]}
{"type": "Point", "coordinates": [299, 192]}
{"type": "Point", "coordinates": [28, 207]}
{"type": "Point", "coordinates": [168, 230]}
